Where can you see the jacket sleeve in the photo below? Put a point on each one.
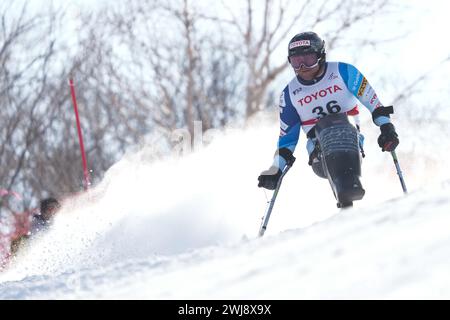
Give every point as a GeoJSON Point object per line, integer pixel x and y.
{"type": "Point", "coordinates": [358, 85]}
{"type": "Point", "coordinates": [290, 125]}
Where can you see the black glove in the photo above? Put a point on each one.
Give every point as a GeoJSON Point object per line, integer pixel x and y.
{"type": "Point", "coordinates": [388, 139]}
{"type": "Point", "coordinates": [269, 178]}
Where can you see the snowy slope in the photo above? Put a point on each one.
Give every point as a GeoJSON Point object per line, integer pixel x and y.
{"type": "Point", "coordinates": [148, 227]}
{"type": "Point", "coordinates": [401, 250]}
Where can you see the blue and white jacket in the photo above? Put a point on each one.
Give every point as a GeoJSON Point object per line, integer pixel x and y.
{"type": "Point", "coordinates": [339, 90]}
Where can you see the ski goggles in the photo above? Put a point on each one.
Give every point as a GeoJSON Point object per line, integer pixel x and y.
{"type": "Point", "coordinates": [308, 61]}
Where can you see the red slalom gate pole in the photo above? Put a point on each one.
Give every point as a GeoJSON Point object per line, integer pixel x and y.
{"type": "Point", "coordinates": [80, 136]}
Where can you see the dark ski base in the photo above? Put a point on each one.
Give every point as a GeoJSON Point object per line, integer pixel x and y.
{"type": "Point", "coordinates": [341, 158]}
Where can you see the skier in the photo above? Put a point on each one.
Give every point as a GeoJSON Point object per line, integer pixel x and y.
{"type": "Point", "coordinates": [319, 89]}
{"type": "Point", "coordinates": [36, 221]}
{"type": "Point", "coordinates": [17, 225]}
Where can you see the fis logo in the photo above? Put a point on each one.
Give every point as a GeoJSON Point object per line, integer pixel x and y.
{"type": "Point", "coordinates": [298, 90]}
{"type": "Point", "coordinates": [332, 76]}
